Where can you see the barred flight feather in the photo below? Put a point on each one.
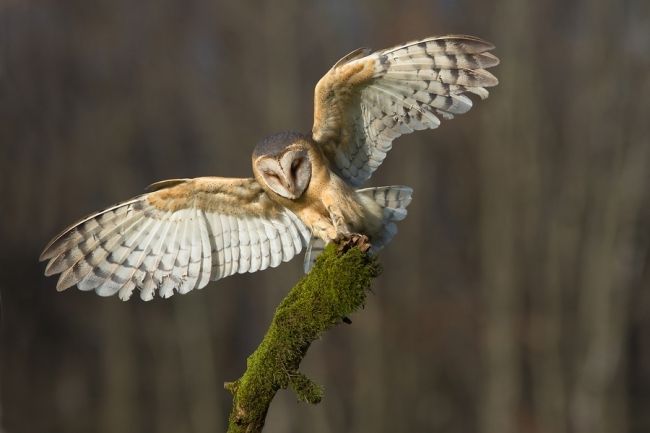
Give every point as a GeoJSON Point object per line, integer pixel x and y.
{"type": "Point", "coordinates": [367, 100]}
{"type": "Point", "coordinates": [142, 244]}
{"type": "Point", "coordinates": [393, 200]}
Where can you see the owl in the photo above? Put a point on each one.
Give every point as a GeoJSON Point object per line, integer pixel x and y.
{"type": "Point", "coordinates": [304, 193]}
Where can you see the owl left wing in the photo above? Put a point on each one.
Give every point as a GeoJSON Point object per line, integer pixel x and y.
{"type": "Point", "coordinates": [179, 236]}
{"type": "Point", "coordinates": [367, 99]}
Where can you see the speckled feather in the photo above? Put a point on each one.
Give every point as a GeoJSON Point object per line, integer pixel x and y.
{"type": "Point", "coordinates": [367, 100]}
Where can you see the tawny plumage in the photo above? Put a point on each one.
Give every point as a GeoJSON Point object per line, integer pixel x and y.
{"type": "Point", "coordinates": [185, 232]}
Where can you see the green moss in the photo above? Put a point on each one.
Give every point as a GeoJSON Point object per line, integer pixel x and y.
{"type": "Point", "coordinates": [335, 288]}
{"type": "Point", "coordinates": [305, 388]}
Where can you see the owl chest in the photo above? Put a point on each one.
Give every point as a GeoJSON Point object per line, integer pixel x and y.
{"type": "Point", "coordinates": [331, 211]}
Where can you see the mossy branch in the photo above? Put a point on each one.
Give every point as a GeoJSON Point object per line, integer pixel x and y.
{"type": "Point", "coordinates": [335, 287]}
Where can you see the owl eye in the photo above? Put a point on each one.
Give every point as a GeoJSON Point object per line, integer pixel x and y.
{"type": "Point", "coordinates": [294, 166]}
{"type": "Point", "coordinates": [272, 174]}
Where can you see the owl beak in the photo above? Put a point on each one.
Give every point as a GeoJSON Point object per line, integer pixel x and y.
{"type": "Point", "coordinates": [292, 189]}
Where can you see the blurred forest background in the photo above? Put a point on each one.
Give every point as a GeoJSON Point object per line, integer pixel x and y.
{"type": "Point", "coordinates": [515, 299]}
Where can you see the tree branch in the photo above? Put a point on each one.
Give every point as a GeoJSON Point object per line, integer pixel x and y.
{"type": "Point", "coordinates": [334, 288]}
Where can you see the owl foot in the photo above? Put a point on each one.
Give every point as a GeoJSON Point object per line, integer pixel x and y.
{"type": "Point", "coordinates": [345, 242]}
{"type": "Point", "coordinates": [338, 221]}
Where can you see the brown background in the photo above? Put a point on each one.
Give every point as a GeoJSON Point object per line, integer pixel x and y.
{"type": "Point", "coordinates": [515, 299]}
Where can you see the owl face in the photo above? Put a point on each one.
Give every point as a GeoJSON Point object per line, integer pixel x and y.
{"type": "Point", "coordinates": [287, 174]}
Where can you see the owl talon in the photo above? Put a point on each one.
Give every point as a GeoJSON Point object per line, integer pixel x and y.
{"type": "Point", "coordinates": [338, 221]}
{"type": "Point", "coordinates": [346, 242]}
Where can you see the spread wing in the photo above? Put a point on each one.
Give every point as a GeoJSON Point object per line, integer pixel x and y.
{"type": "Point", "coordinates": [369, 99]}
{"type": "Point", "coordinates": [179, 236]}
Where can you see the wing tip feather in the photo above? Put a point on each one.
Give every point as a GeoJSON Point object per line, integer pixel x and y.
{"type": "Point", "coordinates": [356, 54]}
{"type": "Point", "coordinates": [45, 254]}
{"type": "Point", "coordinates": [491, 79]}
{"type": "Point", "coordinates": [485, 45]}
{"type": "Point", "coordinates": [163, 184]}
{"type": "Point", "coordinates": [64, 282]}
{"type": "Point", "coordinates": [495, 60]}
{"type": "Point", "coordinates": [50, 250]}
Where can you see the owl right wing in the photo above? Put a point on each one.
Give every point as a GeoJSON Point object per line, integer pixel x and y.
{"type": "Point", "coordinates": [367, 100]}
{"type": "Point", "coordinates": [179, 236]}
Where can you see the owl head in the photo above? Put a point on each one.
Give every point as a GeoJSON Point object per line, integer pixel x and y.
{"type": "Point", "coordinates": [281, 163]}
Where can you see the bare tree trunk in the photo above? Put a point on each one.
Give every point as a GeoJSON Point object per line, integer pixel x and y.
{"type": "Point", "coordinates": [198, 365]}
{"type": "Point", "coordinates": [281, 73]}
{"type": "Point", "coordinates": [508, 179]}
{"type": "Point", "coordinates": [611, 205]}
{"type": "Point", "coordinates": [120, 387]}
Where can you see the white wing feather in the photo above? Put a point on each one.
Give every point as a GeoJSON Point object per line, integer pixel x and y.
{"type": "Point", "coordinates": [176, 239]}
{"type": "Point", "coordinates": [367, 100]}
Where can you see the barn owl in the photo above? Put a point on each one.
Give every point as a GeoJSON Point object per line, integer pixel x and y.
{"type": "Point", "coordinates": [304, 192]}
